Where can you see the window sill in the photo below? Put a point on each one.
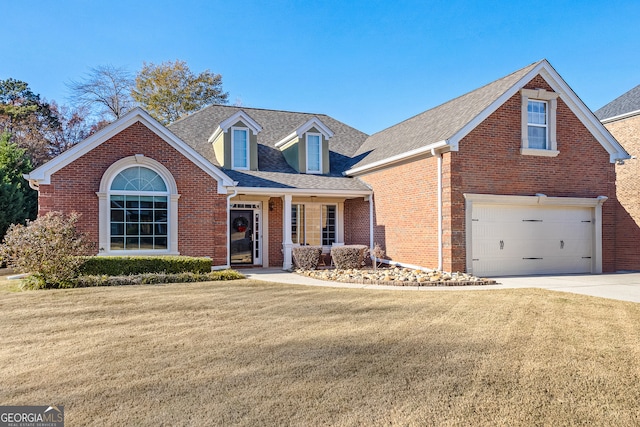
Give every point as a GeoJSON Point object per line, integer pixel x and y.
{"type": "Point", "coordinates": [539, 152]}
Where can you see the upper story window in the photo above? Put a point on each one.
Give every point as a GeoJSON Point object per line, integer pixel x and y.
{"type": "Point", "coordinates": [240, 148]}
{"type": "Point", "coordinates": [314, 153]}
{"type": "Point", "coordinates": [539, 123]}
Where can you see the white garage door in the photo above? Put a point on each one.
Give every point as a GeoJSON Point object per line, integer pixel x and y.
{"type": "Point", "coordinates": [512, 240]}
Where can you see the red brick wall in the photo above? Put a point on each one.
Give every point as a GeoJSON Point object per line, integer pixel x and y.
{"type": "Point", "coordinates": [488, 162]}
{"type": "Point", "coordinates": [356, 222]}
{"type": "Point", "coordinates": [276, 219]}
{"type": "Point", "coordinates": [202, 217]}
{"type": "Point", "coordinates": [405, 211]}
{"type": "Point", "coordinates": [627, 132]}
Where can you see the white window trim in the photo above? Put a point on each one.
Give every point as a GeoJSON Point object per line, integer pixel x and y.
{"type": "Point", "coordinates": [104, 211]}
{"type": "Point", "coordinates": [551, 100]}
{"type": "Point", "coordinates": [248, 147]}
{"type": "Point", "coordinates": [319, 135]}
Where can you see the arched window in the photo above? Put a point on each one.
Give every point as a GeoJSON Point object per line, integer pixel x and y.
{"type": "Point", "coordinates": [138, 208]}
{"type": "Point", "coordinates": [138, 211]}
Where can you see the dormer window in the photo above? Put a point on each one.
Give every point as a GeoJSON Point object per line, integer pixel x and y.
{"type": "Point", "coordinates": [240, 148]}
{"type": "Point", "coordinates": [314, 153]}
{"type": "Point", "coordinates": [539, 123]}
{"type": "Point", "coordinates": [306, 149]}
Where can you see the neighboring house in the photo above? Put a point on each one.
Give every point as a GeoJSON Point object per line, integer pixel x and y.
{"type": "Point", "coordinates": [622, 118]}
{"type": "Point", "coordinates": [516, 177]}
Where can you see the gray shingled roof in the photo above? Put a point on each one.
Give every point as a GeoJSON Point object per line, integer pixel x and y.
{"type": "Point", "coordinates": [273, 170]}
{"type": "Point", "coordinates": [437, 124]}
{"type": "Point", "coordinates": [625, 103]}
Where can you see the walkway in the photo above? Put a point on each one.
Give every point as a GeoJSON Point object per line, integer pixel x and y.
{"type": "Point", "coordinates": [624, 286]}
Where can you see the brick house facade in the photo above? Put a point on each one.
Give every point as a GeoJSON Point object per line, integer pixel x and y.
{"type": "Point", "coordinates": [244, 186]}
{"type": "Point", "coordinates": [622, 118]}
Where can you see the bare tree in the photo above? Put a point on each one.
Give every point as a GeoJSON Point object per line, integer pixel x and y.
{"type": "Point", "coordinates": [106, 90]}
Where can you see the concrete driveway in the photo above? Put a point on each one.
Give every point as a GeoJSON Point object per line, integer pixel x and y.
{"type": "Point", "coordinates": [624, 286]}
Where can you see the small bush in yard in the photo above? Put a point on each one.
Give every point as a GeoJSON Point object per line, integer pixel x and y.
{"type": "Point", "coordinates": [125, 265]}
{"type": "Point", "coordinates": [307, 257]}
{"type": "Point", "coordinates": [48, 247]}
{"type": "Point", "coordinates": [348, 256]}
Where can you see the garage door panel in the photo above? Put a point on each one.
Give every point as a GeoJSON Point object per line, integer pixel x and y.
{"type": "Point", "coordinates": [509, 240]}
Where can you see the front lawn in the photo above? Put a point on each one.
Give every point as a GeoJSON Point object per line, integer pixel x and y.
{"type": "Point", "coordinates": [252, 353]}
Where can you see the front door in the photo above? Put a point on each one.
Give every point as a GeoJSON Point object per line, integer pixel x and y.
{"type": "Point", "coordinates": [241, 237]}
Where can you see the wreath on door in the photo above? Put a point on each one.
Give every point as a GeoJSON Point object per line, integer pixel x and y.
{"type": "Point", "coordinates": [240, 224]}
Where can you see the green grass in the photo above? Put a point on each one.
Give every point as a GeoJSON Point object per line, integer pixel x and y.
{"type": "Point", "coordinates": [252, 353]}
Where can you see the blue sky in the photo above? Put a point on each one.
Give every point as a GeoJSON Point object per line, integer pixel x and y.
{"type": "Point", "coordinates": [369, 63]}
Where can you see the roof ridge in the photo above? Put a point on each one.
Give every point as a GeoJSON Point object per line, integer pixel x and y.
{"type": "Point", "coordinates": [532, 65]}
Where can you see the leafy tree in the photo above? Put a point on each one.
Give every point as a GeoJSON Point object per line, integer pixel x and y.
{"type": "Point", "coordinates": [171, 90]}
{"type": "Point", "coordinates": [27, 118]}
{"type": "Point", "coordinates": [106, 90]}
{"type": "Point", "coordinates": [18, 202]}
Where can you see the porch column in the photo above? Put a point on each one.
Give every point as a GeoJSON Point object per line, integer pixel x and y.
{"type": "Point", "coordinates": [287, 243]}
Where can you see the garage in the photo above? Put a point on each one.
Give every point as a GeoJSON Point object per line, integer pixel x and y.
{"type": "Point", "coordinates": [521, 235]}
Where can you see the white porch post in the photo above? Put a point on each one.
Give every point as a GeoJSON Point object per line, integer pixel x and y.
{"type": "Point", "coordinates": [287, 243]}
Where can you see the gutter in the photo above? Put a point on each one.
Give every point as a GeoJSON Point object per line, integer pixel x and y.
{"type": "Point", "coordinates": [398, 158]}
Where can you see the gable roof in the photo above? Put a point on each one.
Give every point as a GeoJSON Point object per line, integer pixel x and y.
{"type": "Point", "coordinates": [273, 170]}
{"type": "Point", "coordinates": [627, 104]}
{"type": "Point", "coordinates": [441, 128]}
{"type": "Point", "coordinates": [42, 174]}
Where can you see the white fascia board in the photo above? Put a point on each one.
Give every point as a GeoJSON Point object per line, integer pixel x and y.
{"type": "Point", "coordinates": [277, 192]}
{"type": "Point", "coordinates": [569, 97]}
{"type": "Point", "coordinates": [245, 118]}
{"type": "Point", "coordinates": [215, 134]}
{"type": "Point", "coordinates": [286, 140]}
{"type": "Point", "coordinates": [426, 150]}
{"type": "Point", "coordinates": [313, 122]}
{"type": "Point", "coordinates": [43, 173]}
{"type": "Point", "coordinates": [621, 117]}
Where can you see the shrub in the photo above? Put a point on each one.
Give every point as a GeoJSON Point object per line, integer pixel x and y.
{"type": "Point", "coordinates": [348, 256]}
{"type": "Point", "coordinates": [141, 279]}
{"type": "Point", "coordinates": [125, 265]}
{"type": "Point", "coordinates": [377, 253]}
{"type": "Point", "coordinates": [307, 257]}
{"type": "Point", "coordinates": [155, 278]}
{"type": "Point", "coordinates": [48, 247]}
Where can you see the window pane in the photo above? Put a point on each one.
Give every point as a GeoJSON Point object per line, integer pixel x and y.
{"type": "Point", "coordinates": [313, 153]}
{"type": "Point", "coordinates": [117, 215]}
{"type": "Point", "coordinates": [146, 243]}
{"type": "Point", "coordinates": [538, 137]}
{"type": "Point", "coordinates": [132, 243]}
{"type": "Point", "coordinates": [138, 178]}
{"type": "Point", "coordinates": [160, 243]}
{"type": "Point", "coordinates": [329, 225]}
{"type": "Point", "coordinates": [117, 229]}
{"type": "Point", "coordinates": [117, 243]}
{"type": "Point", "coordinates": [240, 155]}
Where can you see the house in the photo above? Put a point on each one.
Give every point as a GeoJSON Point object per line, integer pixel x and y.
{"type": "Point", "coordinates": [516, 177]}
{"type": "Point", "coordinates": [622, 118]}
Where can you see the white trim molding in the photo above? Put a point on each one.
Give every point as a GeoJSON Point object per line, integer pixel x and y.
{"type": "Point", "coordinates": [232, 120]}
{"type": "Point", "coordinates": [42, 174]}
{"type": "Point", "coordinates": [104, 223]}
{"type": "Point", "coordinates": [314, 122]}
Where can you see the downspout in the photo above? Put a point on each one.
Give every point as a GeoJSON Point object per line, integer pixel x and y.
{"type": "Point", "coordinates": [439, 162]}
{"type": "Point", "coordinates": [371, 242]}
{"type": "Point", "coordinates": [229, 197]}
